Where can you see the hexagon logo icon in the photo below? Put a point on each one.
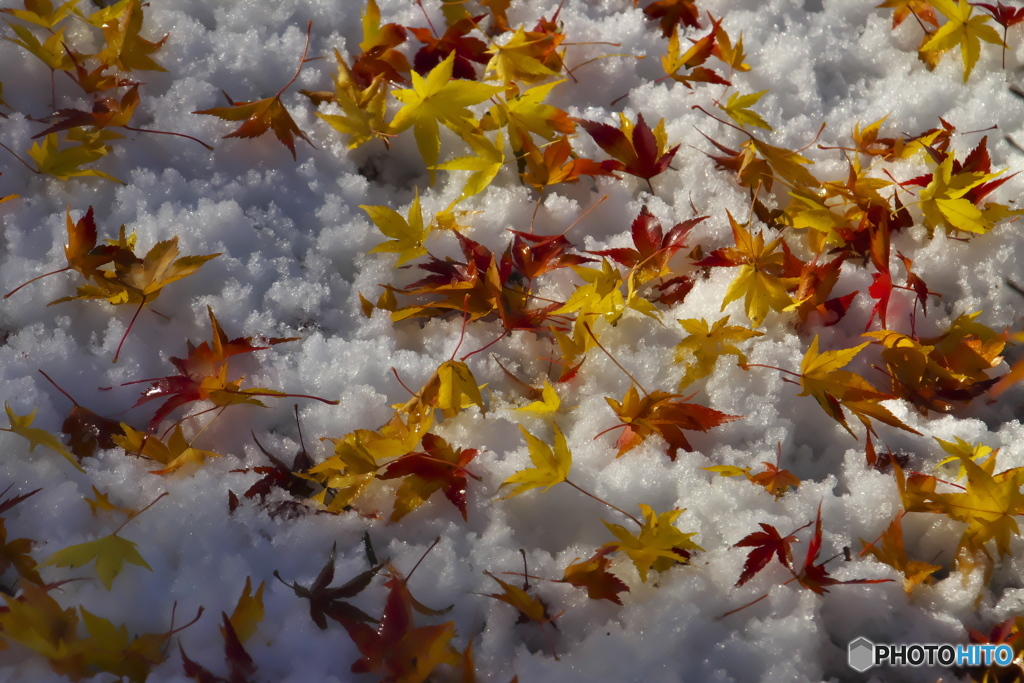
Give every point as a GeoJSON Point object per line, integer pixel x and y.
{"type": "Point", "coordinates": [861, 654]}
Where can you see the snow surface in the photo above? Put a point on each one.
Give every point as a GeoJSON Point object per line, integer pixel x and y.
{"type": "Point", "coordinates": [294, 257]}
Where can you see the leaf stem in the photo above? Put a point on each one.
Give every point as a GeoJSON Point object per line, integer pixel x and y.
{"type": "Point", "coordinates": [38, 277]}
{"type": "Point", "coordinates": [155, 501]}
{"type": "Point", "coordinates": [605, 502]}
{"type": "Point", "coordinates": [593, 336]}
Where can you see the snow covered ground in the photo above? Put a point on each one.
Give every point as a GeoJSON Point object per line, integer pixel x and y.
{"type": "Point", "coordinates": [293, 247]}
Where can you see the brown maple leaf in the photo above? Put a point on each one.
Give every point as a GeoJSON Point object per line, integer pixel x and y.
{"type": "Point", "coordinates": [259, 116]}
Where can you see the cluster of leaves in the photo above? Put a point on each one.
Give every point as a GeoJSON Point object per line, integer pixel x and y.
{"type": "Point", "coordinates": [487, 84]}
{"type": "Point", "coordinates": [76, 138]}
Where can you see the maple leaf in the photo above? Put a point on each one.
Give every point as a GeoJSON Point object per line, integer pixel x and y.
{"type": "Point", "coordinates": [437, 467]}
{"type": "Point", "coordinates": [363, 109]}
{"type": "Point", "coordinates": [760, 281]}
{"type": "Point", "coordinates": [15, 553]}
{"type": "Point", "coordinates": [240, 663]}
{"type": "Point", "coordinates": [893, 553]}
{"type": "Point", "coordinates": [1005, 17]}
{"type": "Point", "coordinates": [326, 602]}
{"type": "Point", "coordinates": [282, 476]}
{"type": "Point", "coordinates": [174, 454]}
{"type": "Point", "coordinates": [86, 430]}
{"type": "Point", "coordinates": [988, 505]}
{"type": "Point", "coordinates": [654, 248]}
{"type": "Point", "coordinates": [524, 57]}
{"type": "Point", "coordinates": [397, 650]}
{"type": "Point", "coordinates": [109, 552]}
{"type": "Point", "coordinates": [815, 577]}
{"type": "Point", "coordinates": [347, 473]}
{"type": "Point", "coordinates": [50, 52]}
{"type": "Point", "coordinates": [467, 49]}
{"type": "Point", "coordinates": [901, 9]}
{"type": "Point", "coordinates": [961, 29]}
{"type": "Point", "coordinates": [485, 163]}
{"type": "Point", "coordinates": [775, 481]}
{"type": "Point", "coordinates": [66, 163]}
{"type": "Point", "coordinates": [556, 164]}
{"type": "Point", "coordinates": [407, 233]}
{"type": "Point", "coordinates": [499, 18]}
{"type": "Point", "coordinates": [526, 113]}
{"type": "Point", "coordinates": [102, 502]}
{"type": "Point", "coordinates": [138, 281]}
{"type": "Point", "coordinates": [379, 56]}
{"type": "Point", "coordinates": [765, 543]}
{"type": "Point", "coordinates": [42, 13]}
{"type": "Point", "coordinates": [738, 107]}
{"type": "Point", "coordinates": [259, 116]}
{"type": "Point", "coordinates": [639, 151]}
{"type": "Point", "coordinates": [659, 545]}
{"type": "Point", "coordinates": [248, 612]}
{"type": "Point", "coordinates": [81, 251]}
{"type": "Point", "coordinates": [733, 55]}
{"type": "Point", "coordinates": [936, 373]}
{"type": "Point", "coordinates": [451, 388]}
{"type": "Point", "coordinates": [673, 13]}
{"type": "Point", "coordinates": [112, 650]}
{"type": "Point", "coordinates": [22, 426]}
{"type": "Point", "coordinates": [602, 296]}
{"type": "Point", "coordinates": [546, 404]}
{"type": "Point", "coordinates": [665, 414]}
{"type": "Point", "coordinates": [125, 48]}
{"type": "Point", "coordinates": [751, 171]}
{"type": "Point", "coordinates": [202, 375]}
{"type": "Point", "coordinates": [551, 464]}
{"type": "Point", "coordinates": [530, 608]}
{"type": "Point", "coordinates": [704, 345]}
{"type": "Point", "coordinates": [439, 98]}
{"type": "Point", "coordinates": [948, 201]}
{"type": "Point", "coordinates": [692, 60]}
{"type": "Point", "coordinates": [38, 622]}
{"type": "Point", "coordinates": [832, 388]}
{"type": "Point", "coordinates": [593, 575]}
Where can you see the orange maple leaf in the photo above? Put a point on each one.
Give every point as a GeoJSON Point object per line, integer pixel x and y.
{"type": "Point", "coordinates": [259, 116]}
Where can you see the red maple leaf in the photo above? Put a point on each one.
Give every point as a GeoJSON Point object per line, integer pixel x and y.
{"type": "Point", "coordinates": [640, 153]}
{"type": "Point", "coordinates": [765, 544]}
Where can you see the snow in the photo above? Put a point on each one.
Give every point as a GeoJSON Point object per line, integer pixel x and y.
{"type": "Point", "coordinates": [294, 257]}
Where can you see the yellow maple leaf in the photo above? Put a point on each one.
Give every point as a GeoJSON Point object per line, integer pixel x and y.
{"type": "Point", "coordinates": [960, 450]}
{"type": "Point", "coordinates": [66, 163]}
{"type": "Point", "coordinates": [126, 49]}
{"type": "Point", "coordinates": [174, 454]}
{"type": "Point", "coordinates": [407, 233]}
{"type": "Point", "coordinates": [703, 347]}
{"type": "Point", "coordinates": [487, 160]}
{"type": "Point", "coordinates": [248, 612]}
{"type": "Point", "coordinates": [944, 205]}
{"type": "Point", "coordinates": [988, 505]}
{"type": "Point", "coordinates": [22, 426]}
{"type": "Point", "coordinates": [659, 545]}
{"type": "Point", "coordinates": [833, 388]}
{"type": "Point", "coordinates": [549, 402]}
{"type": "Point", "coordinates": [363, 109]}
{"type": "Point", "coordinates": [521, 58]}
{"type": "Point", "coordinates": [759, 281]}
{"type": "Point", "coordinates": [551, 464]}
{"type": "Point", "coordinates": [963, 28]}
{"type": "Point", "coordinates": [439, 98]}
{"type": "Point", "coordinates": [109, 552]}
{"type": "Point", "coordinates": [738, 107]}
